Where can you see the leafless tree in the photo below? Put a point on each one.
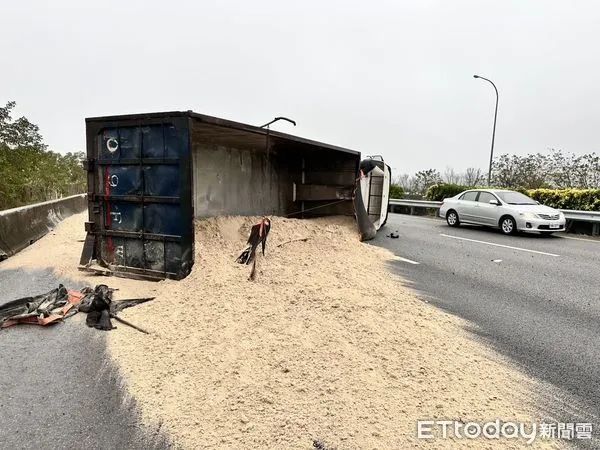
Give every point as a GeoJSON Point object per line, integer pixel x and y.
{"type": "Point", "coordinates": [472, 177]}
{"type": "Point", "coordinates": [426, 178]}
{"type": "Point", "coordinates": [406, 182]}
{"type": "Point", "coordinates": [451, 176]}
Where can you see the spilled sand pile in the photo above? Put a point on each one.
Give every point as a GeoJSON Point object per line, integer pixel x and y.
{"type": "Point", "coordinates": [326, 344]}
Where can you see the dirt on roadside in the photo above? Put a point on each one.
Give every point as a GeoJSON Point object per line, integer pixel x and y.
{"type": "Point", "coordinates": [326, 344]}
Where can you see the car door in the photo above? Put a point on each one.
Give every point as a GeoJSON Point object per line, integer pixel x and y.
{"type": "Point", "coordinates": [467, 206]}
{"type": "Point", "coordinates": [486, 213]}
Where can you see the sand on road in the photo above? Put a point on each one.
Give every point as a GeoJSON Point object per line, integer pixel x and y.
{"type": "Point", "coordinates": [326, 344]}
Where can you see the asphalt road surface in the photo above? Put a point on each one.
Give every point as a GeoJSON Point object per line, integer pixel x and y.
{"type": "Point", "coordinates": [535, 299]}
{"type": "Point", "coordinates": [58, 389]}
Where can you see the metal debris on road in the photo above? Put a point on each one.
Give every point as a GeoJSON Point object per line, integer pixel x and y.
{"type": "Point", "coordinates": [62, 303]}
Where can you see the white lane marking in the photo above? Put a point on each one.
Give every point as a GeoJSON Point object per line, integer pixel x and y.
{"type": "Point", "coordinates": [498, 245]}
{"type": "Point", "coordinates": [580, 239]}
{"type": "Point", "coordinates": [410, 261]}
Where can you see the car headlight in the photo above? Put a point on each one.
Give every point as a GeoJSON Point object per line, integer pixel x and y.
{"type": "Point", "coordinates": [529, 215]}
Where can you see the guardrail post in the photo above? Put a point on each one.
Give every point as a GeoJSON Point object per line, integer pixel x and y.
{"type": "Point", "coordinates": [412, 210]}
{"type": "Point", "coordinates": [596, 229]}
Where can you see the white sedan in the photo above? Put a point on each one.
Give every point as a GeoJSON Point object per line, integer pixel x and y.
{"type": "Point", "coordinates": [508, 210]}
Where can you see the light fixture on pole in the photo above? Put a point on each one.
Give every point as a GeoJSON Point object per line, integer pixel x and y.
{"type": "Point", "coordinates": [276, 119]}
{"type": "Point", "coordinates": [267, 125]}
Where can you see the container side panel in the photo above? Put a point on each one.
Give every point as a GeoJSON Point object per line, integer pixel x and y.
{"type": "Point", "coordinates": [175, 256]}
{"type": "Point", "coordinates": [120, 180]}
{"type": "Point", "coordinates": [155, 255]}
{"type": "Point", "coordinates": [119, 143]}
{"type": "Point", "coordinates": [162, 219]}
{"type": "Point", "coordinates": [133, 254]}
{"type": "Point", "coordinates": [161, 180]}
{"type": "Point", "coordinates": [234, 181]}
{"type": "Point", "coordinates": [153, 141]}
{"type": "Point", "coordinates": [123, 216]}
{"type": "Point", "coordinates": [160, 141]}
{"type": "Point", "coordinates": [141, 207]}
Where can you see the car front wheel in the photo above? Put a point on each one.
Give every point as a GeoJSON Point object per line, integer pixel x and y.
{"type": "Point", "coordinates": [452, 218]}
{"type": "Point", "coordinates": [508, 225]}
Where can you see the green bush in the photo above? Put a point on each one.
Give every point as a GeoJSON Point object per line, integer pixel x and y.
{"type": "Point", "coordinates": [576, 199]}
{"type": "Point", "coordinates": [396, 191]}
{"type": "Point", "coordinates": [440, 191]}
{"type": "Point", "coordinates": [579, 199]}
{"type": "Point", "coordinates": [522, 190]}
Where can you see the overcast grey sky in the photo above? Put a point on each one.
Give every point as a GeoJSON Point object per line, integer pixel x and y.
{"type": "Point", "coordinates": [383, 77]}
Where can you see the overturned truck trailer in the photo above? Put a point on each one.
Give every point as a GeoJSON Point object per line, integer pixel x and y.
{"type": "Point", "coordinates": [150, 175]}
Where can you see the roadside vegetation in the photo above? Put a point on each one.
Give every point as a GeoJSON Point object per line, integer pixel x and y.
{"type": "Point", "coordinates": [29, 172]}
{"type": "Point", "coordinates": [578, 199]}
{"type": "Point", "coordinates": [556, 179]}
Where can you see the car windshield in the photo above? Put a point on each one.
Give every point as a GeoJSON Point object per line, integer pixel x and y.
{"type": "Point", "coordinates": [515, 198]}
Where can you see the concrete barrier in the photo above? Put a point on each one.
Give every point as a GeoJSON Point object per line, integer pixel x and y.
{"type": "Point", "coordinates": [20, 227]}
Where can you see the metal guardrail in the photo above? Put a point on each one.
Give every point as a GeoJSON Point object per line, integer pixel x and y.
{"type": "Point", "coordinates": [583, 216]}
{"type": "Point", "coordinates": [570, 214]}
{"type": "Point", "coordinates": [21, 226]}
{"type": "Point", "coordinates": [414, 203]}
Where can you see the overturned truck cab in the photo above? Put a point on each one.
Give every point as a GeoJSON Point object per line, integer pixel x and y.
{"type": "Point", "coordinates": [371, 198]}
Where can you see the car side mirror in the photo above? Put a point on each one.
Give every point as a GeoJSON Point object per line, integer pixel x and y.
{"type": "Point", "coordinates": [494, 202]}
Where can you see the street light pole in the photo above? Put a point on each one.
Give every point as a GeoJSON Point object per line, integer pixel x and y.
{"type": "Point", "coordinates": [494, 130]}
